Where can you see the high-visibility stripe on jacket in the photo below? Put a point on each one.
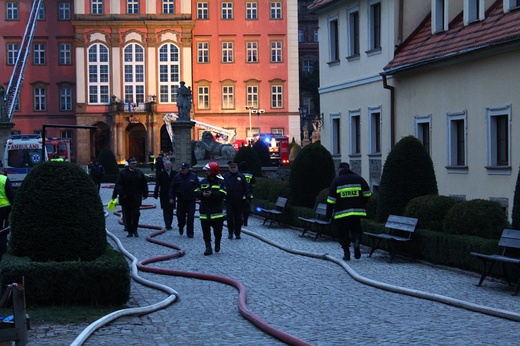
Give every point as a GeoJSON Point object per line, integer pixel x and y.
{"type": "Point", "coordinates": [4, 201]}
{"type": "Point", "coordinates": [348, 195]}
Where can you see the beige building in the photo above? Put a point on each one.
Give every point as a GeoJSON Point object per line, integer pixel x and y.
{"type": "Point", "coordinates": [445, 71]}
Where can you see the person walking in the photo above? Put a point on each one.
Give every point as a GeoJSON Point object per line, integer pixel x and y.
{"type": "Point", "coordinates": [132, 188]}
{"type": "Point", "coordinates": [211, 192]}
{"type": "Point", "coordinates": [238, 193]}
{"type": "Point", "coordinates": [6, 200]}
{"type": "Point", "coordinates": [159, 163]}
{"type": "Point", "coordinates": [162, 190]}
{"type": "Point", "coordinates": [97, 171]}
{"type": "Point", "coordinates": [182, 194]}
{"type": "Point", "coordinates": [348, 196]}
{"type": "Point", "coordinates": [250, 179]}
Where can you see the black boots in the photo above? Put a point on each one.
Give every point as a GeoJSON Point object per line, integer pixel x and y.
{"type": "Point", "coordinates": [217, 245]}
{"type": "Point", "coordinates": [208, 251]}
{"type": "Point", "coordinates": [357, 251]}
{"type": "Point", "coordinates": [346, 254]}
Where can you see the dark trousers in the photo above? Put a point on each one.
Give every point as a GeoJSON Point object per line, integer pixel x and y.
{"type": "Point", "coordinates": [131, 214]}
{"type": "Point", "coordinates": [246, 211]}
{"type": "Point", "coordinates": [186, 215]}
{"type": "Point", "coordinates": [349, 229]}
{"type": "Point", "coordinates": [4, 222]}
{"type": "Point", "coordinates": [168, 216]}
{"type": "Point", "coordinates": [97, 182]}
{"type": "Point", "coordinates": [234, 218]}
{"type": "Point", "coordinates": [217, 225]}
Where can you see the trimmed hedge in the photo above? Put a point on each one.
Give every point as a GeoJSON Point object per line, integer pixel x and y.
{"type": "Point", "coordinates": [104, 281]}
{"type": "Point", "coordinates": [430, 210]}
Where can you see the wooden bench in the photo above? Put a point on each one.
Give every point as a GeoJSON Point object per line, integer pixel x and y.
{"type": "Point", "coordinates": [509, 252]}
{"type": "Point", "coordinates": [16, 330]}
{"type": "Point", "coordinates": [318, 223]}
{"type": "Point", "coordinates": [399, 230]}
{"type": "Point", "coordinates": [275, 215]}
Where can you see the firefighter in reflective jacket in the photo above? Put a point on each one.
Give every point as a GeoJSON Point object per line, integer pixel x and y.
{"type": "Point", "coordinates": [346, 202]}
{"type": "Point", "coordinates": [211, 193]}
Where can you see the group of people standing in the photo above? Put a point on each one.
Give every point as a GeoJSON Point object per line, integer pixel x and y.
{"type": "Point", "coordinates": [180, 191]}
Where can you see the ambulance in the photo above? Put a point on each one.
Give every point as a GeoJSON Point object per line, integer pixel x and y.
{"type": "Point", "coordinates": [22, 153]}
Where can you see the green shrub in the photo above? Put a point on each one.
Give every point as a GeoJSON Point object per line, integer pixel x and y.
{"type": "Point", "coordinates": [322, 196]}
{"type": "Point", "coordinates": [57, 215]}
{"type": "Point", "coordinates": [270, 189]}
{"type": "Point", "coordinates": [108, 160]}
{"type": "Point", "coordinates": [477, 217]}
{"type": "Point", "coordinates": [430, 210]}
{"type": "Point", "coordinates": [250, 156]}
{"type": "Point", "coordinates": [407, 173]}
{"type": "Point", "coordinates": [311, 171]}
{"type": "Point", "coordinates": [372, 206]}
{"type": "Point", "coordinates": [262, 150]}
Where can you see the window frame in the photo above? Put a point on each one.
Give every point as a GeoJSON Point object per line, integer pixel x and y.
{"type": "Point", "coordinates": [132, 6]}
{"type": "Point", "coordinates": [354, 132]}
{"type": "Point", "coordinates": [493, 148]}
{"type": "Point", "coordinates": [374, 26]}
{"type": "Point", "coordinates": [40, 98]}
{"type": "Point", "coordinates": [374, 133]}
{"type": "Point", "coordinates": [12, 51]}
{"type": "Point", "coordinates": [333, 37]}
{"type": "Point", "coordinates": [439, 16]}
{"type": "Point", "coordinates": [169, 73]}
{"type": "Point", "coordinates": [353, 33]}
{"type": "Point", "coordinates": [251, 10]}
{"type": "Point", "coordinates": [12, 10]}
{"type": "Point", "coordinates": [134, 74]}
{"type": "Point", "coordinates": [228, 50]}
{"type": "Point", "coordinates": [252, 95]}
{"type": "Point", "coordinates": [64, 10]}
{"type": "Point", "coordinates": [101, 84]}
{"type": "Point", "coordinates": [228, 97]}
{"type": "Point", "coordinates": [203, 97]}
{"type": "Point", "coordinates": [66, 94]}
{"type": "Point", "coordinates": [276, 51]}
{"type": "Point", "coordinates": [97, 7]}
{"type": "Point", "coordinates": [202, 10]}
{"type": "Point", "coordinates": [423, 130]}
{"type": "Point", "coordinates": [65, 55]}
{"type": "Point", "coordinates": [251, 52]}
{"type": "Point", "coordinates": [39, 53]}
{"type": "Point", "coordinates": [168, 6]}
{"type": "Point", "coordinates": [226, 10]}
{"type": "Point", "coordinates": [335, 134]}
{"type": "Point", "coordinates": [203, 52]}
{"type": "Point", "coordinates": [275, 10]}
{"type": "Point", "coordinates": [277, 96]}
{"type": "Point", "coordinates": [455, 163]}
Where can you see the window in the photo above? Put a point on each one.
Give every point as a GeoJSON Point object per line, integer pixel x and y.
{"type": "Point", "coordinates": [97, 6]}
{"type": "Point", "coordinates": [335, 135]}
{"type": "Point", "coordinates": [353, 32]}
{"type": "Point", "coordinates": [66, 134]}
{"type": "Point", "coordinates": [12, 11]}
{"type": "Point", "coordinates": [39, 54]}
{"type": "Point", "coordinates": [439, 16]}
{"type": "Point", "coordinates": [41, 11]}
{"type": "Point", "coordinates": [169, 78]}
{"type": "Point", "coordinates": [375, 26]}
{"type": "Point", "coordinates": [64, 10]}
{"type": "Point", "coordinates": [17, 106]}
{"type": "Point", "coordinates": [202, 10]}
{"type": "Point", "coordinates": [40, 99]}
{"type": "Point", "coordinates": [457, 139]}
{"type": "Point", "coordinates": [132, 7]}
{"type": "Point", "coordinates": [355, 132]}
{"type": "Point", "coordinates": [65, 54]}
{"type": "Point", "coordinates": [423, 130]}
{"type": "Point", "coordinates": [333, 40]}
{"type": "Point", "coordinates": [203, 97]}
{"type": "Point", "coordinates": [308, 66]}
{"type": "Point", "coordinates": [203, 52]}
{"type": "Point", "coordinates": [134, 74]}
{"type": "Point", "coordinates": [511, 4]}
{"type": "Point", "coordinates": [499, 136]}
{"type": "Point", "coordinates": [12, 53]}
{"type": "Point", "coordinates": [276, 10]}
{"type": "Point", "coordinates": [316, 35]}
{"type": "Point", "coordinates": [98, 73]}
{"type": "Point", "coordinates": [375, 130]}
{"type": "Point", "coordinates": [276, 51]}
{"type": "Point", "coordinates": [277, 131]}
{"type": "Point", "coordinates": [474, 11]}
{"type": "Point", "coordinates": [168, 6]}
{"type": "Point", "coordinates": [301, 35]}
{"type": "Point", "coordinates": [228, 97]}
{"type": "Point", "coordinates": [227, 51]}
{"type": "Point", "coordinates": [227, 10]}
{"type": "Point", "coordinates": [65, 98]}
{"type": "Point", "coordinates": [251, 52]}
{"type": "Point", "coordinates": [252, 96]}
{"type": "Point", "coordinates": [251, 10]}
{"type": "Point", "coordinates": [276, 96]}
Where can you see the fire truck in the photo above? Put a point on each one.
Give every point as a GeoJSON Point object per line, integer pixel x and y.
{"type": "Point", "coordinates": [58, 148]}
{"type": "Point", "coordinates": [278, 147]}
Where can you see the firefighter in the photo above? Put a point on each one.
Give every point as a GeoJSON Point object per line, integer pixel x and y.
{"type": "Point", "coordinates": [348, 196]}
{"type": "Point", "coordinates": [211, 192]}
{"type": "Point", "coordinates": [6, 200]}
{"type": "Point", "coordinates": [250, 179]}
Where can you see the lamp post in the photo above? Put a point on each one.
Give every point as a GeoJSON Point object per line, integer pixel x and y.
{"type": "Point", "coordinates": [250, 109]}
{"type": "Point", "coordinates": [258, 112]}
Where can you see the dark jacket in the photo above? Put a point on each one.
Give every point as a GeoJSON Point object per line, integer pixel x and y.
{"type": "Point", "coordinates": [162, 188]}
{"type": "Point", "coordinates": [250, 179]}
{"type": "Point", "coordinates": [211, 207]}
{"type": "Point", "coordinates": [348, 195]}
{"type": "Point", "coordinates": [131, 187]}
{"type": "Point", "coordinates": [237, 188]}
{"type": "Point", "coordinates": [97, 170]}
{"type": "Point", "coordinates": [183, 186]}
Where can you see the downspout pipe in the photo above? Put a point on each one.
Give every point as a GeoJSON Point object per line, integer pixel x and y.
{"type": "Point", "coordinates": [392, 108]}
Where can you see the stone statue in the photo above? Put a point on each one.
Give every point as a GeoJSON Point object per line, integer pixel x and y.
{"type": "Point", "coordinates": [184, 100]}
{"type": "Point", "coordinates": [208, 148]}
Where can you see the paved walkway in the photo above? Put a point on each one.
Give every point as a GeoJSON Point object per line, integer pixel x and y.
{"type": "Point", "coordinates": [313, 299]}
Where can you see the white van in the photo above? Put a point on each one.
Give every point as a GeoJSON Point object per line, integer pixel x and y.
{"type": "Point", "coordinates": [22, 153]}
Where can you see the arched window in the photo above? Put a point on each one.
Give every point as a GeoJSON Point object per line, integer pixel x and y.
{"type": "Point", "coordinates": [168, 73]}
{"type": "Point", "coordinates": [98, 75]}
{"type": "Point", "coordinates": [134, 74]}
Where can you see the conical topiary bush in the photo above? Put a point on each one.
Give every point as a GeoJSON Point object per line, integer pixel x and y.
{"type": "Point", "coordinates": [57, 216]}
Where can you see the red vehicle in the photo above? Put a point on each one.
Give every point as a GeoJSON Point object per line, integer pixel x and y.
{"type": "Point", "coordinates": [58, 148]}
{"type": "Point", "coordinates": [278, 147]}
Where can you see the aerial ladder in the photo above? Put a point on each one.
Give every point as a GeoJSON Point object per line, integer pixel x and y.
{"type": "Point", "coordinates": [16, 81]}
{"type": "Point", "coordinates": [224, 136]}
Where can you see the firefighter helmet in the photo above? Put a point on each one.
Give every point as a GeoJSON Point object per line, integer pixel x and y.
{"type": "Point", "coordinates": [212, 167]}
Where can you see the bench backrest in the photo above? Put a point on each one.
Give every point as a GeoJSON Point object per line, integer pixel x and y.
{"type": "Point", "coordinates": [280, 203]}
{"type": "Point", "coordinates": [401, 225]}
{"type": "Point", "coordinates": [510, 242]}
{"type": "Point", "coordinates": [321, 211]}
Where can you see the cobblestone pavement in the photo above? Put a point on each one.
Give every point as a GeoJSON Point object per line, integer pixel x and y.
{"type": "Point", "coordinates": [310, 298]}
